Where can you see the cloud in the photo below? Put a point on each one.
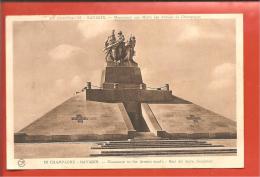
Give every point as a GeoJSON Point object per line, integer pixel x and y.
{"type": "Point", "coordinates": [189, 32]}
{"type": "Point", "coordinates": [195, 32]}
{"type": "Point", "coordinates": [64, 51]}
{"type": "Point", "coordinates": [95, 76]}
{"type": "Point", "coordinates": [93, 28]}
{"type": "Point", "coordinates": [76, 82]}
{"type": "Point", "coordinates": [59, 83]}
{"type": "Point", "coordinates": [223, 76]}
{"type": "Point", "coordinates": [148, 74]}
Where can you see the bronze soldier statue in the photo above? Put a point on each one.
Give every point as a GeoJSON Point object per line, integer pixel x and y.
{"type": "Point", "coordinates": [110, 47]}
{"type": "Point", "coordinates": [120, 47]}
{"type": "Point", "coordinates": [132, 42]}
{"type": "Point", "coordinates": [117, 50]}
{"type": "Point", "coordinates": [130, 52]}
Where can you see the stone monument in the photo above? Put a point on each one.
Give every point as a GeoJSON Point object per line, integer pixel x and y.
{"type": "Point", "coordinates": [124, 107]}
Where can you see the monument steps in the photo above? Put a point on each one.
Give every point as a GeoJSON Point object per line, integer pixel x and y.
{"type": "Point", "coordinates": [149, 146]}
{"type": "Point", "coordinates": [157, 142]}
{"type": "Point", "coordinates": [153, 144]}
{"type": "Point", "coordinates": [146, 136]}
{"type": "Point", "coordinates": [161, 147]}
{"type": "Point", "coordinates": [167, 152]}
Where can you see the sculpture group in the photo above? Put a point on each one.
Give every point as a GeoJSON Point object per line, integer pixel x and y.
{"type": "Point", "coordinates": [119, 51]}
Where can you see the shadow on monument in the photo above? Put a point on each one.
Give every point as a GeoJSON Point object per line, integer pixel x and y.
{"type": "Point", "coordinates": [135, 114]}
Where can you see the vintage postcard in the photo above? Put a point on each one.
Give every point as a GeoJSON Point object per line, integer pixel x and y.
{"type": "Point", "coordinates": [124, 91]}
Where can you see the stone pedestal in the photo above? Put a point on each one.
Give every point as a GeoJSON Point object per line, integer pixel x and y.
{"type": "Point", "coordinates": [124, 76]}
{"type": "Point", "coordinates": [119, 79]}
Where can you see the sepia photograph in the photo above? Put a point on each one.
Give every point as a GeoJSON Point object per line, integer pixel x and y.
{"type": "Point", "coordinates": [125, 91]}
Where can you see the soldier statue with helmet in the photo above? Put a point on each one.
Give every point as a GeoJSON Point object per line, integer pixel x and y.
{"type": "Point", "coordinates": [118, 51]}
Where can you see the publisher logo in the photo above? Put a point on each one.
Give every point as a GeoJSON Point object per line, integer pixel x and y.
{"type": "Point", "coordinates": [21, 162]}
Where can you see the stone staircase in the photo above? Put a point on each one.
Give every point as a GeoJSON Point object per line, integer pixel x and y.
{"type": "Point", "coordinates": [146, 136]}
{"type": "Point", "coordinates": [160, 147]}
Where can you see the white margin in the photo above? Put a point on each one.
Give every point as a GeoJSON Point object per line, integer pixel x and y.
{"type": "Point", "coordinates": [216, 161]}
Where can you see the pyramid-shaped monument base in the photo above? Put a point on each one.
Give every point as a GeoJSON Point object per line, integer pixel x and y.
{"type": "Point", "coordinates": [78, 120]}
{"type": "Point", "coordinates": [187, 121]}
{"type": "Point", "coordinates": [125, 108]}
